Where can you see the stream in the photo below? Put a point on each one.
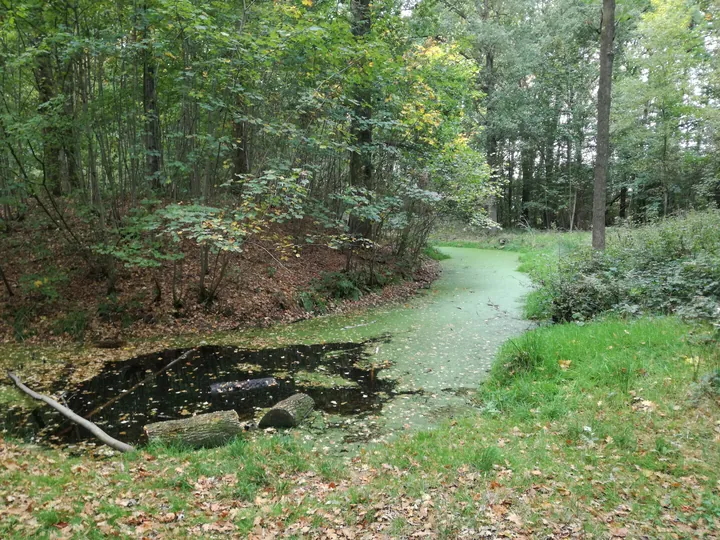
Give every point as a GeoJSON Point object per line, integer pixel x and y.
{"type": "Point", "coordinates": [372, 374]}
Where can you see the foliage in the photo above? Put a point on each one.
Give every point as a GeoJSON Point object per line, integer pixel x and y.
{"type": "Point", "coordinates": [21, 318]}
{"type": "Point", "coordinates": [435, 254]}
{"type": "Point", "coordinates": [112, 310]}
{"type": "Point", "coordinates": [539, 76]}
{"type": "Point", "coordinates": [43, 286]}
{"type": "Point", "coordinates": [668, 267]}
{"type": "Point", "coordinates": [342, 286]}
{"type": "Point", "coordinates": [74, 323]}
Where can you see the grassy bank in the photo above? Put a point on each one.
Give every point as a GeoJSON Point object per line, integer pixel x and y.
{"type": "Point", "coordinates": [668, 267]}
{"type": "Point", "coordinates": [603, 429]}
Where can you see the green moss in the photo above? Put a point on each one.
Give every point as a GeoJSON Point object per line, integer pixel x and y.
{"type": "Point", "coordinates": [325, 380]}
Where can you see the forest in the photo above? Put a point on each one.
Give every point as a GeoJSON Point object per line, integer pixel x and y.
{"type": "Point", "coordinates": [363, 269]}
{"type": "Point", "coordinates": [162, 143]}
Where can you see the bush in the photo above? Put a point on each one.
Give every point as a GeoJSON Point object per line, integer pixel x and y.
{"type": "Point", "coordinates": [43, 286]}
{"type": "Point", "coordinates": [113, 310]}
{"type": "Point", "coordinates": [667, 267]}
{"type": "Point", "coordinates": [312, 302]}
{"type": "Point", "coordinates": [435, 254]}
{"type": "Point", "coordinates": [341, 285]}
{"type": "Point", "coordinates": [21, 318]}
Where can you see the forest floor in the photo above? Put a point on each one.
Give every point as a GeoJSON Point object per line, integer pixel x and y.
{"type": "Point", "coordinates": [59, 298]}
{"type": "Point", "coordinates": [609, 429]}
{"type": "Point", "coordinates": [610, 434]}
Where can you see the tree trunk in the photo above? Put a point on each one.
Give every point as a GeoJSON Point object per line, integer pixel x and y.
{"type": "Point", "coordinates": [70, 140]}
{"type": "Point", "coordinates": [607, 35]}
{"type": "Point", "coordinates": [361, 171]}
{"type": "Point", "coordinates": [623, 202]}
{"type": "Point", "coordinates": [201, 431]}
{"type": "Point", "coordinates": [491, 141]}
{"type": "Point", "coordinates": [509, 220]}
{"type": "Point", "coordinates": [240, 154]}
{"type": "Point", "coordinates": [571, 200]}
{"type": "Point", "coordinates": [289, 412]}
{"type": "Point", "coordinates": [52, 146]}
{"type": "Point", "coordinates": [153, 146]}
{"type": "Point", "coordinates": [8, 288]}
{"type": "Point", "coordinates": [495, 172]}
{"type": "Point", "coordinates": [527, 158]}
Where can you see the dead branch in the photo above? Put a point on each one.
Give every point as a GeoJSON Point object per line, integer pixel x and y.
{"type": "Point", "coordinates": [79, 420]}
{"type": "Point", "coordinates": [138, 385]}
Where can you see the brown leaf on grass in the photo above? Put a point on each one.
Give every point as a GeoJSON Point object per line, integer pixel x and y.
{"type": "Point", "coordinates": [499, 509]}
{"type": "Point", "coordinates": [512, 517]}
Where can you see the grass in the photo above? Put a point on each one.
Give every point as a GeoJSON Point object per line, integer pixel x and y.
{"type": "Point", "coordinates": [603, 411]}
{"type": "Point", "coordinates": [600, 427]}
{"type": "Point", "coordinates": [435, 254]}
{"type": "Point", "coordinates": [603, 429]}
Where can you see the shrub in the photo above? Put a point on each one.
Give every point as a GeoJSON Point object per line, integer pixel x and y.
{"type": "Point", "coordinates": [20, 319]}
{"type": "Point", "coordinates": [667, 267]}
{"type": "Point", "coordinates": [43, 286]}
{"type": "Point", "coordinates": [435, 254]}
{"type": "Point", "coordinates": [113, 310]}
{"type": "Point", "coordinates": [312, 302]}
{"type": "Point", "coordinates": [341, 285]}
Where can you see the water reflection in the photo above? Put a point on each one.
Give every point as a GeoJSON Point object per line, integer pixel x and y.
{"type": "Point", "coordinates": [340, 377]}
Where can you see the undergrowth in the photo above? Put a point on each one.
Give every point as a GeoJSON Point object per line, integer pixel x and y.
{"type": "Point", "coordinates": [672, 266]}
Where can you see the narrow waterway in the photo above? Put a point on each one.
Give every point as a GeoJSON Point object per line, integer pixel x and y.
{"type": "Point", "coordinates": [441, 344]}
{"type": "Point", "coordinates": [372, 374]}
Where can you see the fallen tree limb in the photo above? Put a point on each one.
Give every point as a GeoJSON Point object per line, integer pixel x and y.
{"type": "Point", "coordinates": [79, 420]}
{"type": "Point", "coordinates": [242, 386]}
{"type": "Point", "coordinates": [138, 385]}
{"type": "Point", "coordinates": [203, 430]}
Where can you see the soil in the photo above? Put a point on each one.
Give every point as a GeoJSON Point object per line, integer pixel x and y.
{"type": "Point", "coordinates": [56, 291]}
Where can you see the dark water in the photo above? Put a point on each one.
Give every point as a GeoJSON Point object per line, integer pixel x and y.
{"type": "Point", "coordinates": [184, 389]}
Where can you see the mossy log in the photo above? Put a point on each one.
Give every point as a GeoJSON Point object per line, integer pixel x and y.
{"type": "Point", "coordinates": [201, 431]}
{"type": "Point", "coordinates": [289, 412]}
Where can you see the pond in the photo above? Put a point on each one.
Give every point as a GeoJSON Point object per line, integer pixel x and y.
{"type": "Point", "coordinates": [338, 376]}
{"type": "Point", "coordinates": [371, 374]}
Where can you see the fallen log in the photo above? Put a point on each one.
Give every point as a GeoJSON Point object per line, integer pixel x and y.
{"type": "Point", "coordinates": [242, 386]}
{"type": "Point", "coordinates": [289, 412]}
{"type": "Point", "coordinates": [92, 428]}
{"type": "Point", "coordinates": [203, 430]}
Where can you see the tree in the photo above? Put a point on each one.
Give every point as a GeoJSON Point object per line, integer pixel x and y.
{"type": "Point", "coordinates": [602, 157]}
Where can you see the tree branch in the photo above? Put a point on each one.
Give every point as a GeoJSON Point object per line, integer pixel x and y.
{"type": "Point", "coordinates": [92, 428]}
